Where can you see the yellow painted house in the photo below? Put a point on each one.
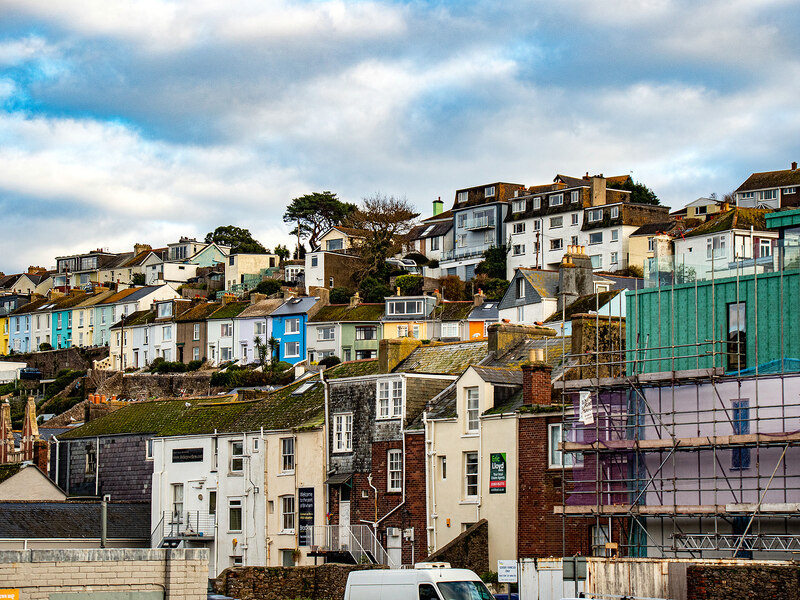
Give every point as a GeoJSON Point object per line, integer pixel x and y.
{"type": "Point", "coordinates": [426, 318]}
{"type": "Point", "coordinates": [3, 335]}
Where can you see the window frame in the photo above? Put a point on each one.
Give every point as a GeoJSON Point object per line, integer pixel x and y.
{"type": "Point", "coordinates": [288, 518]}
{"type": "Point", "coordinates": [472, 409]}
{"type": "Point", "coordinates": [292, 326]}
{"type": "Point", "coordinates": [556, 200]}
{"type": "Point", "coordinates": [557, 459]}
{"type": "Point", "coordinates": [235, 506]}
{"type": "Point", "coordinates": [389, 394]}
{"type": "Point", "coordinates": [236, 459]}
{"type": "Point", "coordinates": [518, 228]}
{"type": "Point", "coordinates": [592, 215]}
{"type": "Point", "coordinates": [342, 432]}
{"type": "Point", "coordinates": [287, 345]}
{"type": "Point", "coordinates": [489, 191]}
{"type": "Point", "coordinates": [323, 331]}
{"type": "Point", "coordinates": [471, 475]}
{"type": "Point", "coordinates": [394, 470]}
{"type": "Point", "coordinates": [287, 455]}
{"type": "Point", "coordinates": [557, 222]}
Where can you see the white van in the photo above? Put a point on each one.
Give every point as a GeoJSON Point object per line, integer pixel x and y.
{"type": "Point", "coordinates": [426, 581]}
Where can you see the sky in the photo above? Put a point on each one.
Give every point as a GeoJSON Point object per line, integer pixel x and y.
{"type": "Point", "coordinates": [125, 122]}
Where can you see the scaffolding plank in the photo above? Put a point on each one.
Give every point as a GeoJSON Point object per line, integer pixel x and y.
{"type": "Point", "coordinates": [789, 508]}
{"type": "Point", "coordinates": [643, 379]}
{"type": "Point", "coordinates": [751, 439]}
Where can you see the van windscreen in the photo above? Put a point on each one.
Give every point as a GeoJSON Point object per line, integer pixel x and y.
{"type": "Point", "coordinates": [464, 590]}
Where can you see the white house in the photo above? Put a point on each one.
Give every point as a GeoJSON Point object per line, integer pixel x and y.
{"type": "Point", "coordinates": [222, 334]}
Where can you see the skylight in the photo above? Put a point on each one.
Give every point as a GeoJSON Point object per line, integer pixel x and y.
{"type": "Point", "coordinates": [304, 388]}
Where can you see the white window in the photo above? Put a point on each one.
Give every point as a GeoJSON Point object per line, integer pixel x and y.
{"type": "Point", "coordinates": [518, 249]}
{"type": "Point", "coordinates": [461, 241]}
{"type": "Point", "coordinates": [402, 331]}
{"type": "Point", "coordinates": [715, 245]}
{"type": "Point", "coordinates": [260, 328]}
{"type": "Point", "coordinates": [292, 325]}
{"type": "Point", "coordinates": [768, 195]}
{"type": "Point", "coordinates": [614, 258]}
{"type": "Point", "coordinates": [165, 309]}
{"type": "Point", "coordinates": [394, 475]}
{"type": "Point", "coordinates": [596, 238]}
{"type": "Point", "coordinates": [615, 235]}
{"type": "Point", "coordinates": [225, 353]}
{"type": "Point", "coordinates": [764, 248]}
{"type": "Point", "coordinates": [59, 321]}
{"type": "Point", "coordinates": [415, 331]}
{"type": "Point", "coordinates": [518, 206]}
{"type": "Point", "coordinates": [287, 455]}
{"type": "Point", "coordinates": [196, 333]}
{"type": "Point", "coordinates": [196, 353]}
{"type": "Point", "coordinates": [488, 192]}
{"type": "Point", "coordinates": [450, 330]}
{"type": "Point", "coordinates": [343, 432]}
{"type": "Point", "coordinates": [325, 333]}
{"type": "Point", "coordinates": [443, 466]}
{"type": "Point", "coordinates": [556, 199]}
{"type": "Point", "coordinates": [597, 261]}
{"type": "Point", "coordinates": [177, 503]}
{"type": "Point", "coordinates": [574, 218]}
{"type": "Point", "coordinates": [573, 240]}
{"type": "Point", "coordinates": [556, 222]}
{"type": "Point", "coordinates": [650, 244]}
{"type": "Point", "coordinates": [366, 332]}
{"type": "Point", "coordinates": [237, 456]}
{"type": "Point", "coordinates": [488, 236]}
{"type": "Point", "coordinates": [80, 338]}
{"type": "Point", "coordinates": [291, 349]}
{"type": "Point", "coordinates": [520, 288]}
{"type": "Point", "coordinates": [166, 332]}
{"type": "Point", "coordinates": [463, 196]}
{"type": "Point", "coordinates": [556, 458]}
{"type": "Point", "coordinates": [287, 514]}
{"type": "Point", "coordinates": [595, 215]}
{"type": "Point", "coordinates": [789, 190]}
{"type": "Point", "coordinates": [390, 399]}
{"type": "Point", "coordinates": [520, 314]}
{"type": "Point", "coordinates": [226, 330]}
{"type": "Point", "coordinates": [473, 409]}
{"type": "Point", "coordinates": [537, 203]}
{"type": "Point", "coordinates": [235, 514]}
{"type": "Point", "coordinates": [461, 220]}
{"type": "Point", "coordinates": [537, 225]}
{"type": "Point", "coordinates": [614, 212]}
{"type": "Point", "coordinates": [148, 452]}
{"type": "Point", "coordinates": [519, 227]}
{"type": "Point", "coordinates": [556, 244]}
{"type": "Point", "coordinates": [574, 196]}
{"type": "Point", "coordinates": [471, 474]}
{"type": "Point", "coordinates": [405, 307]}
{"type": "Point", "coordinates": [80, 319]}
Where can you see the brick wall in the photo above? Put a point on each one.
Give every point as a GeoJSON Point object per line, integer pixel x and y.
{"type": "Point", "coordinates": [540, 531]}
{"type": "Point", "coordinates": [180, 574]}
{"type": "Point", "coordinates": [710, 582]}
{"type": "Point", "coordinates": [322, 582]}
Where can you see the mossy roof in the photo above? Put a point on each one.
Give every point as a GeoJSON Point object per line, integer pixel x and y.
{"type": "Point", "coordinates": [344, 312]}
{"type": "Point", "coordinates": [30, 306]}
{"type": "Point", "coordinates": [453, 311]}
{"type": "Point", "coordinates": [229, 310]}
{"type": "Point", "coordinates": [198, 312]}
{"type": "Point", "coordinates": [769, 179]}
{"type": "Point", "coordinates": [140, 317]}
{"type": "Point", "coordinates": [281, 409]}
{"type": "Point", "coordinates": [444, 358]}
{"type": "Point", "coordinates": [584, 304]}
{"type": "Point", "coordinates": [736, 218]}
{"type": "Point", "coordinates": [9, 470]}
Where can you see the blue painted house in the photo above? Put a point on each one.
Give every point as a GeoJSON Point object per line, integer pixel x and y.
{"type": "Point", "coordinates": [19, 326]}
{"type": "Point", "coordinates": [289, 327]}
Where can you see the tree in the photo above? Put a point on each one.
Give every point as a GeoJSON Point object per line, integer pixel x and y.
{"type": "Point", "coordinates": [240, 240]}
{"type": "Point", "coordinates": [268, 287]}
{"type": "Point", "coordinates": [493, 263]}
{"type": "Point", "coordinates": [373, 290]}
{"type": "Point", "coordinates": [282, 252]}
{"type": "Point", "coordinates": [640, 193]}
{"type": "Point", "coordinates": [386, 220]}
{"type": "Point", "coordinates": [138, 279]}
{"type": "Point", "coordinates": [313, 213]}
{"type": "Point", "coordinates": [340, 295]}
{"type": "Point", "coordinates": [493, 287]}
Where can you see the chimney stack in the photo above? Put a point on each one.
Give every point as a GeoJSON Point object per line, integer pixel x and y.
{"type": "Point", "coordinates": [139, 248]}
{"type": "Point", "coordinates": [598, 187]}
{"type": "Point", "coordinates": [536, 384]}
{"type": "Point", "coordinates": [478, 298]}
{"type": "Point", "coordinates": [438, 206]}
{"type": "Point", "coordinates": [794, 166]}
{"type": "Point", "coordinates": [355, 300]}
{"type": "Point", "coordinates": [575, 276]}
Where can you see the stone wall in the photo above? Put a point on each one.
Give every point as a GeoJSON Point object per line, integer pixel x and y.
{"type": "Point", "coordinates": [713, 582]}
{"type": "Point", "coordinates": [146, 574]}
{"type": "Point", "coordinates": [322, 582]}
{"type": "Point", "coordinates": [470, 550]}
{"type": "Point", "coordinates": [146, 386]}
{"type": "Point", "coordinates": [52, 361]}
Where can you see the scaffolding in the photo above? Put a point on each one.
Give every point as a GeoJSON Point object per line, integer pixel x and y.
{"type": "Point", "coordinates": [690, 448]}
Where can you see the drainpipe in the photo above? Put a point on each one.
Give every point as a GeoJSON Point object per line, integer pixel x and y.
{"type": "Point", "coordinates": [104, 520]}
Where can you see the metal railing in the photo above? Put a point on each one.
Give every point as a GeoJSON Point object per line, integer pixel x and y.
{"type": "Point", "coordinates": [187, 524]}
{"type": "Point", "coordinates": [468, 252]}
{"type": "Point", "coordinates": [358, 540]}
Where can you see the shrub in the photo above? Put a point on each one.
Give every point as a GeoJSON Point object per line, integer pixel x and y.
{"type": "Point", "coordinates": [194, 365]}
{"type": "Point", "coordinates": [410, 285]}
{"type": "Point", "coordinates": [45, 346]}
{"type": "Point", "coordinates": [268, 287]}
{"type": "Point", "coordinates": [329, 361]}
{"type": "Point", "coordinates": [340, 295]}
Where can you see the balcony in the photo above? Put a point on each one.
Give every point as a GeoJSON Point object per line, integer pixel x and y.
{"type": "Point", "coordinates": [480, 223]}
{"type": "Point", "coordinates": [468, 252]}
{"type": "Point", "coordinates": [190, 524]}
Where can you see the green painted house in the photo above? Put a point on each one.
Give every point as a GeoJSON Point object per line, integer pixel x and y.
{"type": "Point", "coordinates": [348, 331]}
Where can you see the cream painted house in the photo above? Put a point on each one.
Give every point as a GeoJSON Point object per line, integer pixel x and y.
{"type": "Point", "coordinates": [471, 466]}
{"type": "Point", "coordinates": [246, 269]}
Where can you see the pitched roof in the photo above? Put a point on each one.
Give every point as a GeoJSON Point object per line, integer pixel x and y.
{"type": "Point", "coordinates": [295, 306]}
{"type": "Point", "coordinates": [770, 179]}
{"type": "Point", "coordinates": [96, 298]}
{"type": "Point", "coordinates": [140, 317]}
{"type": "Point", "coordinates": [448, 214]}
{"type": "Point", "coordinates": [262, 308]}
{"type": "Point", "coordinates": [452, 311]}
{"type": "Point", "coordinates": [229, 310]}
{"type": "Point", "coordinates": [670, 227]}
{"type": "Point", "coordinates": [499, 375]}
{"type": "Point", "coordinates": [429, 230]}
{"type": "Point", "coordinates": [443, 358]}
{"type": "Point", "coordinates": [30, 306]}
{"type": "Point", "coordinates": [544, 282]}
{"type": "Point", "coordinates": [736, 218]}
{"type": "Point", "coordinates": [584, 304]}
{"type": "Point", "coordinates": [488, 311]}
{"type": "Point", "coordinates": [119, 296]}
{"type": "Point", "coordinates": [352, 232]}
{"type": "Point", "coordinates": [343, 312]}
{"type": "Point", "coordinates": [73, 520]}
{"type": "Point", "coordinates": [354, 368]}
{"type": "Point", "coordinates": [554, 348]}
{"type": "Point", "coordinates": [9, 470]}
{"type": "Point", "coordinates": [198, 312]}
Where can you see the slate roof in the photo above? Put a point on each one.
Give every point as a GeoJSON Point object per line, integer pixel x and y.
{"type": "Point", "coordinates": [584, 304]}
{"type": "Point", "coordinates": [140, 317]}
{"type": "Point", "coordinates": [488, 311]}
{"type": "Point", "coordinates": [770, 179]}
{"type": "Point", "coordinates": [544, 282]}
{"type": "Point", "coordinates": [736, 218]}
{"type": "Point", "coordinates": [262, 308]}
{"type": "Point", "coordinates": [199, 312]}
{"type": "Point", "coordinates": [621, 282]}
{"type": "Point", "coordinates": [447, 214]}
{"type": "Point", "coordinates": [343, 312]}
{"type": "Point", "coordinates": [96, 298]}
{"type": "Point", "coordinates": [73, 520]}
{"type": "Point", "coordinates": [499, 375]}
{"type": "Point", "coordinates": [554, 349]}
{"type": "Point", "coordinates": [229, 310]}
{"type": "Point", "coordinates": [119, 296]}
{"type": "Point", "coordinates": [30, 306]}
{"type": "Point", "coordinates": [448, 358]}
{"type": "Point", "coordinates": [438, 229]}
{"type": "Point", "coordinates": [657, 228]}
{"type": "Point", "coordinates": [295, 306]}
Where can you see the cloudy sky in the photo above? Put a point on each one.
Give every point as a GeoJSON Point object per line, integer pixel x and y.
{"type": "Point", "coordinates": [125, 122]}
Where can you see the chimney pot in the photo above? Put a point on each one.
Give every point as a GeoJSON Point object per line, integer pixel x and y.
{"type": "Point", "coordinates": [794, 166]}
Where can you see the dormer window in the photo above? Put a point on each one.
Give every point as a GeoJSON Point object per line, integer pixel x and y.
{"type": "Point", "coordinates": [488, 192]}
{"type": "Point", "coordinates": [556, 199]}
{"type": "Point", "coordinates": [595, 215]}
{"type": "Point", "coordinates": [518, 206]}
{"type": "Point", "coordinates": [575, 196]}
{"type": "Point", "coordinates": [537, 203]}
{"type": "Point", "coordinates": [405, 307]}
{"type": "Point", "coordinates": [463, 196]}
{"type": "Point", "coordinates": [165, 310]}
